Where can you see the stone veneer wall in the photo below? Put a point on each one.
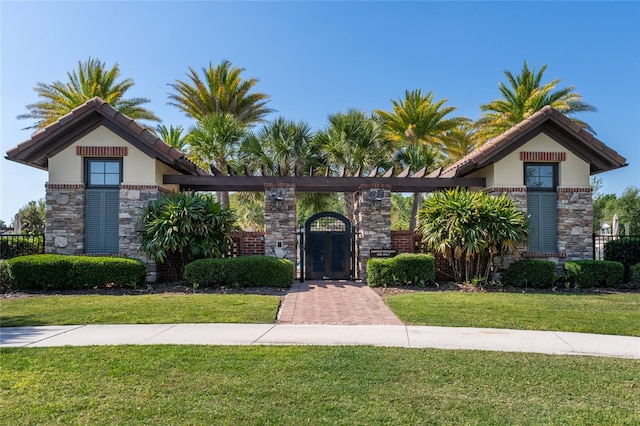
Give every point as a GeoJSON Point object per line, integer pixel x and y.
{"type": "Point", "coordinates": [280, 239]}
{"type": "Point", "coordinates": [373, 225]}
{"type": "Point", "coordinates": [575, 223]}
{"type": "Point", "coordinates": [64, 230]}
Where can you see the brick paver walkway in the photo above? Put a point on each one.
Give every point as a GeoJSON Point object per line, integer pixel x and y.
{"type": "Point", "coordinates": [334, 302]}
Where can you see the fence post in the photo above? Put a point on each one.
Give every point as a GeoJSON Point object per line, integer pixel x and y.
{"type": "Point", "coordinates": [593, 245]}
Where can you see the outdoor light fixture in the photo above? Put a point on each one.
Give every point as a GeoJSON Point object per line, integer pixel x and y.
{"type": "Point", "coordinates": [278, 197]}
{"type": "Point", "coordinates": [376, 197]}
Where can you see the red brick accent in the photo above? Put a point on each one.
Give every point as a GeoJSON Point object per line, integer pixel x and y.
{"type": "Point", "coordinates": [527, 255]}
{"type": "Point", "coordinates": [64, 185]}
{"type": "Point", "coordinates": [128, 186]}
{"type": "Point", "coordinates": [543, 156]}
{"type": "Point", "coordinates": [505, 189]}
{"type": "Point", "coordinates": [247, 243]}
{"type": "Point", "coordinates": [102, 151]}
{"type": "Point", "coordinates": [561, 189]}
{"type": "Point", "coordinates": [404, 241]}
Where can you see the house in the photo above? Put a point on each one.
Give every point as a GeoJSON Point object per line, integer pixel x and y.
{"type": "Point", "coordinates": [103, 167]}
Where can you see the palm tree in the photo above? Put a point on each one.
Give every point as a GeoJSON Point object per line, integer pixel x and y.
{"type": "Point", "coordinates": [522, 97]}
{"type": "Point", "coordinates": [220, 90]}
{"type": "Point", "coordinates": [353, 141]}
{"type": "Point", "coordinates": [173, 136]}
{"type": "Point", "coordinates": [215, 141]}
{"type": "Point", "coordinates": [420, 126]}
{"type": "Point", "coordinates": [92, 79]}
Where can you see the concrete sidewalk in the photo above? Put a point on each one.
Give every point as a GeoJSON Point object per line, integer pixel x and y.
{"type": "Point", "coordinates": [547, 342]}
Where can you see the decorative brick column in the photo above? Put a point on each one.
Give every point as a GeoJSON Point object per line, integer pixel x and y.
{"type": "Point", "coordinates": [373, 223]}
{"type": "Point", "coordinates": [132, 199]}
{"type": "Point", "coordinates": [575, 223]}
{"type": "Point", "coordinates": [64, 229]}
{"type": "Point", "coordinates": [280, 221]}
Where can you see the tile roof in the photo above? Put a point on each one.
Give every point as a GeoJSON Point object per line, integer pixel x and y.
{"type": "Point", "coordinates": [549, 120]}
{"type": "Point", "coordinates": [95, 112]}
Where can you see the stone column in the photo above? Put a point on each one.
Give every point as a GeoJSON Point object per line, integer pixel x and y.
{"type": "Point", "coordinates": [575, 223]}
{"type": "Point", "coordinates": [280, 221]}
{"type": "Point", "coordinates": [64, 228]}
{"type": "Point", "coordinates": [372, 222]}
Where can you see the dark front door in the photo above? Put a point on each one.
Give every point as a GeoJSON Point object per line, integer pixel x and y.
{"type": "Point", "coordinates": [328, 247]}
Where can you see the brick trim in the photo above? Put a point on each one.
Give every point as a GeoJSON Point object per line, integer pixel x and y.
{"type": "Point", "coordinates": [129, 186]}
{"type": "Point", "coordinates": [64, 185]}
{"type": "Point", "coordinates": [573, 189]}
{"type": "Point", "coordinates": [506, 189]}
{"type": "Point", "coordinates": [543, 156]}
{"type": "Point", "coordinates": [102, 151]}
{"type": "Point", "coordinates": [528, 255]}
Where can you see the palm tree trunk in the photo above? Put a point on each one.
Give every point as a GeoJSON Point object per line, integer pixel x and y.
{"type": "Point", "coordinates": [415, 207]}
{"type": "Point", "coordinates": [350, 202]}
{"type": "Point", "coordinates": [223, 197]}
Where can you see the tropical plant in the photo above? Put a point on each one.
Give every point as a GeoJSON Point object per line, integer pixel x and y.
{"type": "Point", "coordinates": [220, 90]}
{"type": "Point", "coordinates": [470, 229]}
{"type": "Point", "coordinates": [420, 128]}
{"type": "Point", "coordinates": [173, 136]}
{"type": "Point", "coordinates": [91, 79]}
{"type": "Point", "coordinates": [353, 142]}
{"type": "Point", "coordinates": [181, 227]}
{"type": "Point", "coordinates": [522, 96]}
{"type": "Point", "coordinates": [215, 141]}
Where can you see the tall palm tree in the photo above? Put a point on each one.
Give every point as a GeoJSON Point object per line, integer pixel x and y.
{"type": "Point", "coordinates": [173, 136]}
{"type": "Point", "coordinates": [215, 140]}
{"type": "Point", "coordinates": [420, 126]}
{"type": "Point", "coordinates": [522, 96]}
{"type": "Point", "coordinates": [353, 141]}
{"type": "Point", "coordinates": [91, 79]}
{"type": "Point", "coordinates": [220, 90]}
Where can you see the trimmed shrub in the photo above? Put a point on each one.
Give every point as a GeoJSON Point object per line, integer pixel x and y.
{"type": "Point", "coordinates": [635, 275]}
{"type": "Point", "coordinates": [247, 271]}
{"type": "Point", "coordinates": [401, 270]}
{"type": "Point", "coordinates": [530, 273]}
{"type": "Point", "coordinates": [59, 272]}
{"type": "Point", "coordinates": [624, 250]}
{"type": "Point", "coordinates": [594, 273]}
{"type": "Point", "coordinates": [5, 276]}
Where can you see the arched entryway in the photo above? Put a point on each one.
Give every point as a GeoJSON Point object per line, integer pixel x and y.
{"type": "Point", "coordinates": [328, 247]}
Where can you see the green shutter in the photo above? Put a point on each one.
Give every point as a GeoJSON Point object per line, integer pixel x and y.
{"type": "Point", "coordinates": [102, 221]}
{"type": "Point", "coordinates": [543, 226]}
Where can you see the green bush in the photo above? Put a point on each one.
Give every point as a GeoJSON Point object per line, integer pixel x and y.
{"type": "Point", "coordinates": [403, 269]}
{"type": "Point", "coordinates": [635, 275]}
{"type": "Point", "coordinates": [247, 271]}
{"type": "Point", "coordinates": [624, 250]}
{"type": "Point", "coordinates": [530, 273]}
{"type": "Point", "coordinates": [5, 276]}
{"type": "Point", "coordinates": [594, 273]}
{"type": "Point", "coordinates": [59, 272]}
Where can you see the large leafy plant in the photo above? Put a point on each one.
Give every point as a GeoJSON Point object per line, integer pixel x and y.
{"type": "Point", "coordinates": [470, 229]}
{"type": "Point", "coordinates": [181, 227]}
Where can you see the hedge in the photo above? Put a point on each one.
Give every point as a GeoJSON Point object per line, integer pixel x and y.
{"type": "Point", "coordinates": [401, 270]}
{"type": "Point", "coordinates": [5, 276]}
{"type": "Point", "coordinates": [15, 246]}
{"type": "Point", "coordinates": [530, 273]}
{"type": "Point", "coordinates": [246, 271]}
{"type": "Point", "coordinates": [60, 272]}
{"type": "Point", "coordinates": [635, 275]}
{"type": "Point", "coordinates": [594, 273]}
{"type": "Point", "coordinates": [624, 250]}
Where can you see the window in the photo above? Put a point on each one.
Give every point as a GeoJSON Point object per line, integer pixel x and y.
{"type": "Point", "coordinates": [102, 205]}
{"type": "Point", "coordinates": [541, 180]}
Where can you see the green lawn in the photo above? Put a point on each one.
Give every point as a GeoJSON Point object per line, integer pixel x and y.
{"type": "Point", "coordinates": [143, 309]}
{"type": "Point", "coordinates": [603, 314]}
{"type": "Point", "coordinates": [202, 385]}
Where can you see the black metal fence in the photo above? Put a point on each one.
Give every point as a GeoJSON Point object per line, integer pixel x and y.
{"type": "Point", "coordinates": [13, 245]}
{"type": "Point", "coordinates": [601, 240]}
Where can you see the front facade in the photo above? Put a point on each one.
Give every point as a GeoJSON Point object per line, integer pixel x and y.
{"type": "Point", "coordinates": [103, 167]}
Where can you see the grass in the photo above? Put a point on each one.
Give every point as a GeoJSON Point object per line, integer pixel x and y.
{"type": "Point", "coordinates": [617, 314]}
{"type": "Point", "coordinates": [194, 385]}
{"type": "Point", "coordinates": [143, 309]}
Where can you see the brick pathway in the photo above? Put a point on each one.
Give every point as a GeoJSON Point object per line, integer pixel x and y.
{"type": "Point", "coordinates": [334, 302]}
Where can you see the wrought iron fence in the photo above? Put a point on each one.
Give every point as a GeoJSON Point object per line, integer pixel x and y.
{"type": "Point", "coordinates": [13, 245]}
{"type": "Point", "coordinates": [600, 242]}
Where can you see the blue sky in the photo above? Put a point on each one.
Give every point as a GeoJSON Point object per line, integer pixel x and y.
{"type": "Point", "coordinates": [317, 58]}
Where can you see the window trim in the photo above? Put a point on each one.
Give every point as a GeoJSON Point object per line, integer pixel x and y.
{"type": "Point", "coordinates": [87, 171]}
{"type": "Point", "coordinates": [554, 169]}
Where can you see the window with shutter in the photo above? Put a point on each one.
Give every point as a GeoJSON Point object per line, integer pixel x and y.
{"type": "Point", "coordinates": [102, 202]}
{"type": "Point", "coordinates": [542, 206]}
